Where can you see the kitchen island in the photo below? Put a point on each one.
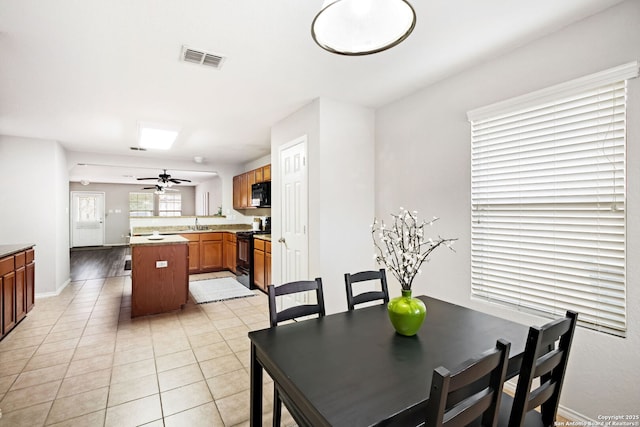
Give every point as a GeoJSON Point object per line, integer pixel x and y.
{"type": "Point", "coordinates": [159, 274]}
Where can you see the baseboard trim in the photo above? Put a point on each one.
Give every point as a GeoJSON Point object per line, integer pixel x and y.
{"type": "Point", "coordinates": [572, 417]}
{"type": "Point", "coordinates": [53, 294]}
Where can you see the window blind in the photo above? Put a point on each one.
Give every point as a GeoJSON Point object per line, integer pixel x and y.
{"type": "Point", "coordinates": [548, 203]}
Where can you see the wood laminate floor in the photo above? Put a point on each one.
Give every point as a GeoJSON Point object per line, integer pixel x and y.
{"type": "Point", "coordinates": [98, 262]}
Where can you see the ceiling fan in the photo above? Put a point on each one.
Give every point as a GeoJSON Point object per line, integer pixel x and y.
{"type": "Point", "coordinates": [159, 189]}
{"type": "Point", "coordinates": [165, 180]}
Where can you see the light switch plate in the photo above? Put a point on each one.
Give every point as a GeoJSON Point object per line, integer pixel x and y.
{"type": "Point", "coordinates": [161, 264]}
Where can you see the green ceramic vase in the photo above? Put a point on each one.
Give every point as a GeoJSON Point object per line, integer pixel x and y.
{"type": "Point", "coordinates": [406, 313]}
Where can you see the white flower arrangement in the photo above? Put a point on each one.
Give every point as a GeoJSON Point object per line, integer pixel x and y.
{"type": "Point", "coordinates": [403, 247]}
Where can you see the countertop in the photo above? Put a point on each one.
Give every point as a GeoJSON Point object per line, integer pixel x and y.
{"type": "Point", "coordinates": [171, 230]}
{"type": "Point", "coordinates": [167, 239]}
{"type": "Point", "coordinates": [266, 237]}
{"type": "Point", "coordinates": [6, 250]}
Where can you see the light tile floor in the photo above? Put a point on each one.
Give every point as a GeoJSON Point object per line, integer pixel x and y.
{"type": "Point", "coordinates": [78, 359]}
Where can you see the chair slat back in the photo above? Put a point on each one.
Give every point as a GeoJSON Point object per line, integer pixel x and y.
{"type": "Point", "coordinates": [365, 276]}
{"type": "Point", "coordinates": [476, 404]}
{"type": "Point", "coordinates": [545, 356]}
{"type": "Point", "coordinates": [294, 312]}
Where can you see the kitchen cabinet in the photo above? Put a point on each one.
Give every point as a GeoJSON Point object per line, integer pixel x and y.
{"type": "Point", "coordinates": [230, 252]}
{"type": "Point", "coordinates": [21, 286]}
{"type": "Point", "coordinates": [211, 251]}
{"type": "Point", "coordinates": [242, 185]}
{"type": "Point", "coordinates": [261, 263]}
{"type": "Point", "coordinates": [258, 264]}
{"type": "Point", "coordinates": [194, 252]}
{"type": "Point", "coordinates": [237, 185]}
{"type": "Point", "coordinates": [267, 264]}
{"type": "Point", "coordinates": [206, 252]}
{"type": "Point", "coordinates": [31, 279]}
{"type": "Point", "coordinates": [17, 281]}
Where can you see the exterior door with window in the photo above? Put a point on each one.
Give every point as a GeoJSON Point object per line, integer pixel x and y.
{"type": "Point", "coordinates": [87, 218]}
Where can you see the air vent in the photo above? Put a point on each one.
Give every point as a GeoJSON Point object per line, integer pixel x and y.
{"type": "Point", "coordinates": [201, 57]}
{"type": "Point", "coordinates": [137, 149]}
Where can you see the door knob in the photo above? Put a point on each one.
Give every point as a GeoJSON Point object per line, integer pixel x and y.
{"type": "Point", "coordinates": [282, 240]}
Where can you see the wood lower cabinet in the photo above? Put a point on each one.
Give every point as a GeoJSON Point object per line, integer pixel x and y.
{"type": "Point", "coordinates": [211, 251]}
{"type": "Point", "coordinates": [267, 264]}
{"type": "Point", "coordinates": [194, 252]}
{"type": "Point", "coordinates": [17, 281]}
{"type": "Point", "coordinates": [261, 263]}
{"type": "Point", "coordinates": [207, 252]}
{"type": "Point", "coordinates": [8, 302]}
{"type": "Point", "coordinates": [21, 286]}
{"type": "Point", "coordinates": [230, 252]}
{"type": "Point", "coordinates": [31, 279]}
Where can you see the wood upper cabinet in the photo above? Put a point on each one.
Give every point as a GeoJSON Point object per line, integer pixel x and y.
{"type": "Point", "coordinates": [244, 195]}
{"type": "Point", "coordinates": [237, 198]}
{"type": "Point", "coordinates": [242, 185]}
{"type": "Point", "coordinates": [251, 179]}
{"type": "Point", "coordinates": [211, 250]}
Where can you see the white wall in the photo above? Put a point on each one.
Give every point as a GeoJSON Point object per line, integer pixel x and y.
{"type": "Point", "coordinates": [213, 187]}
{"type": "Point", "coordinates": [423, 163]}
{"type": "Point", "coordinates": [340, 158]}
{"type": "Point", "coordinates": [34, 208]}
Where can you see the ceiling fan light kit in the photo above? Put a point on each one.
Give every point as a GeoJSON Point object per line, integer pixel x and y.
{"type": "Point", "coordinates": [362, 27]}
{"type": "Point", "coordinates": [164, 180]}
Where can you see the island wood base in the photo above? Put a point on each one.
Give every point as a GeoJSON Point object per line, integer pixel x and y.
{"type": "Point", "coordinates": [157, 288]}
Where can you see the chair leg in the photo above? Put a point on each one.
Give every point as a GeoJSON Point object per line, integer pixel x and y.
{"type": "Point", "coordinates": [277, 407]}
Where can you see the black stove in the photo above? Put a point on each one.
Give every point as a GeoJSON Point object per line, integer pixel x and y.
{"type": "Point", "coordinates": [244, 258]}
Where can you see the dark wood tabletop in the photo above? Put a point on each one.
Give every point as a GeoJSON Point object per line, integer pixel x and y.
{"type": "Point", "coordinates": [352, 369]}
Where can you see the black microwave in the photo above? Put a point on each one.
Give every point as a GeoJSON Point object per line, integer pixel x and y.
{"type": "Point", "coordinates": [261, 195]}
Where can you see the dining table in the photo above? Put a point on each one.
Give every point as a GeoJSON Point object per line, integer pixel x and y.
{"type": "Point", "coordinates": [352, 369]}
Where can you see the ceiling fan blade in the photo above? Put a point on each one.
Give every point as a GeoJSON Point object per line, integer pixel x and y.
{"type": "Point", "coordinates": [140, 179]}
{"type": "Point", "coordinates": [178, 180]}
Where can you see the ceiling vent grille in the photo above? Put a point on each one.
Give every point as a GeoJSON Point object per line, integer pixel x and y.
{"type": "Point", "coordinates": [201, 57]}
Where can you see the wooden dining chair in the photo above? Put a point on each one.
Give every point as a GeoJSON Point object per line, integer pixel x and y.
{"type": "Point", "coordinates": [292, 313]}
{"type": "Point", "coordinates": [365, 276]}
{"type": "Point", "coordinates": [545, 357]}
{"type": "Point", "coordinates": [472, 393]}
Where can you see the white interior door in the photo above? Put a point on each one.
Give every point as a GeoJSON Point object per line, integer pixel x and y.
{"type": "Point", "coordinates": [294, 242]}
{"type": "Point", "coordinates": [87, 218]}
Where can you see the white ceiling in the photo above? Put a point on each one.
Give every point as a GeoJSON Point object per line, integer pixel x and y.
{"type": "Point", "coordinates": [86, 72]}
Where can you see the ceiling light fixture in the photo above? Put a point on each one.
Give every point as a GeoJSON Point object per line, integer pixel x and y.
{"type": "Point", "coordinates": [362, 27]}
{"type": "Point", "coordinates": [156, 137]}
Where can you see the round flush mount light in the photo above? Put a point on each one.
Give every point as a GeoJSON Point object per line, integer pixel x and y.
{"type": "Point", "coordinates": [362, 27]}
{"type": "Point", "coordinates": [84, 182]}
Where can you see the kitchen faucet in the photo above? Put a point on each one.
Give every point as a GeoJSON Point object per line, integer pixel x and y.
{"type": "Point", "coordinates": [196, 223]}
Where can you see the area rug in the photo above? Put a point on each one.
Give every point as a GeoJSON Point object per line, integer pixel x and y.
{"type": "Point", "coordinates": [203, 291]}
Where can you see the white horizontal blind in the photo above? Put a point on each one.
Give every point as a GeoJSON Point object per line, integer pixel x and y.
{"type": "Point", "coordinates": [548, 207]}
